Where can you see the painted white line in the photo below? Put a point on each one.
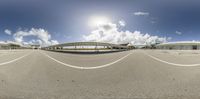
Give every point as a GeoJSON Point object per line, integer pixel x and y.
{"type": "Point", "coordinates": [170, 63]}
{"type": "Point", "coordinates": [79, 67]}
{"type": "Point", "coordinates": [4, 63]}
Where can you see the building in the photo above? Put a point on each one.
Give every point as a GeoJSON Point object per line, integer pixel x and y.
{"type": "Point", "coordinates": [9, 46]}
{"type": "Point", "coordinates": [35, 46]}
{"type": "Point", "coordinates": [14, 46]}
{"type": "Point", "coordinates": [4, 45]}
{"type": "Point", "coordinates": [186, 45]}
{"type": "Point", "coordinates": [88, 46]}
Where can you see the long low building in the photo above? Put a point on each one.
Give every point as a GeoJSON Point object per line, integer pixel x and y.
{"type": "Point", "coordinates": [186, 45]}
{"type": "Point", "coordinates": [9, 46]}
{"type": "Point", "coordinates": [88, 46]}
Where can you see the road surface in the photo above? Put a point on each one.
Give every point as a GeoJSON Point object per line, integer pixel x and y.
{"type": "Point", "coordinates": [36, 74]}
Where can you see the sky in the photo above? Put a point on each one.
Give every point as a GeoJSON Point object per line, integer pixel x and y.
{"type": "Point", "coordinates": [49, 22]}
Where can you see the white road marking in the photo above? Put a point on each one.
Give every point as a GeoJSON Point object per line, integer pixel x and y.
{"type": "Point", "coordinates": [79, 67]}
{"type": "Point", "coordinates": [170, 63]}
{"type": "Point", "coordinates": [4, 63]}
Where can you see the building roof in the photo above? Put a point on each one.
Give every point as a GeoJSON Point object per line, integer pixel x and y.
{"type": "Point", "coordinates": [3, 43]}
{"type": "Point", "coordinates": [181, 43]}
{"type": "Point", "coordinates": [87, 44]}
{"type": "Point", "coordinates": [9, 43]}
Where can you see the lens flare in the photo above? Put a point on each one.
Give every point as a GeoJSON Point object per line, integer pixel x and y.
{"type": "Point", "coordinates": [96, 21]}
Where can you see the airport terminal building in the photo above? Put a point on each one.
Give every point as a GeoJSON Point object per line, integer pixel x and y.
{"type": "Point", "coordinates": [187, 45]}
{"type": "Point", "coordinates": [89, 47]}
{"type": "Point", "coordinates": [9, 46]}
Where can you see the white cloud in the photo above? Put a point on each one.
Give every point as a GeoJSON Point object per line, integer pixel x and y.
{"type": "Point", "coordinates": [43, 37]}
{"type": "Point", "coordinates": [9, 32]}
{"type": "Point", "coordinates": [169, 38]}
{"type": "Point", "coordinates": [122, 23]}
{"type": "Point", "coordinates": [110, 33]}
{"type": "Point", "coordinates": [2, 42]}
{"type": "Point", "coordinates": [141, 13]}
{"type": "Point", "coordinates": [178, 32]}
{"type": "Point", "coordinates": [53, 42]}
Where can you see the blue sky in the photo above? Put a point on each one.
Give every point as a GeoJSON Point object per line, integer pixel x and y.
{"type": "Point", "coordinates": [67, 20]}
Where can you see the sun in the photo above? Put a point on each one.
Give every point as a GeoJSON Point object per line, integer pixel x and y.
{"type": "Point", "coordinates": [96, 21]}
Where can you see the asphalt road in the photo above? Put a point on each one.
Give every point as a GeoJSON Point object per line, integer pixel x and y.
{"type": "Point", "coordinates": [35, 74]}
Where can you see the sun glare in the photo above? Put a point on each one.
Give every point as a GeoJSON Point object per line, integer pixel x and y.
{"type": "Point", "coordinates": [96, 21]}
